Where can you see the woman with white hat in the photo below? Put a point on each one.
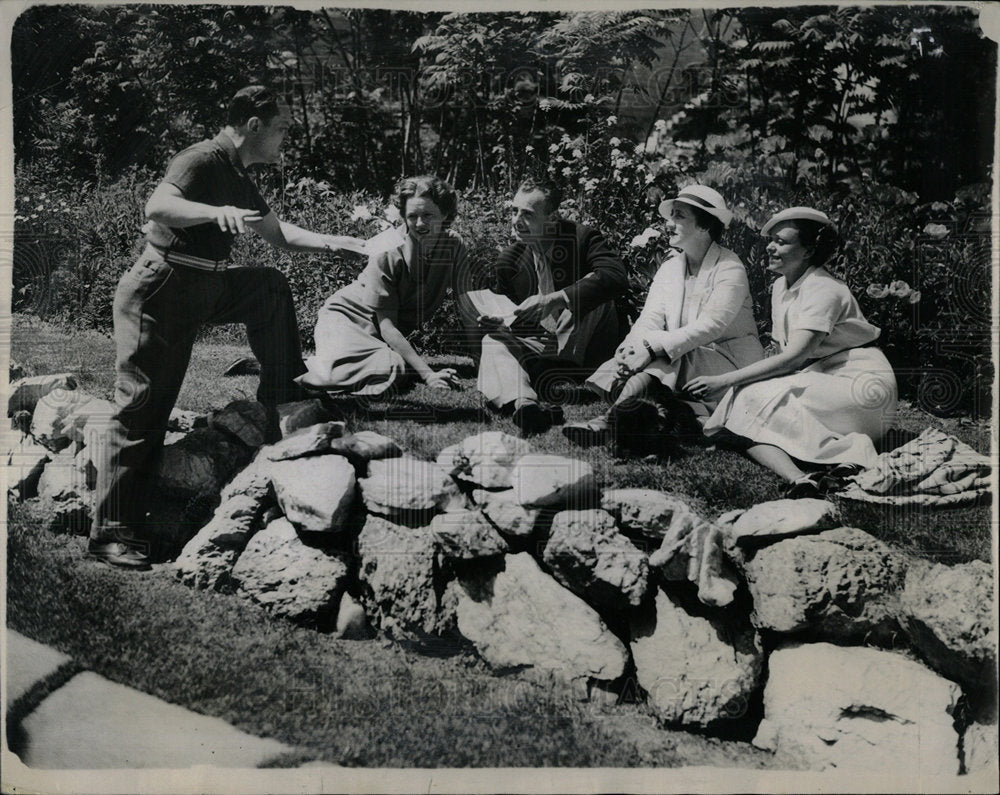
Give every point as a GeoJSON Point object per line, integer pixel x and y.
{"type": "Point", "coordinates": [828, 394]}
{"type": "Point", "coordinates": [697, 318]}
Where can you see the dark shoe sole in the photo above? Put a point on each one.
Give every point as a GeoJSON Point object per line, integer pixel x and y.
{"type": "Point", "coordinates": [124, 557]}
{"type": "Point", "coordinates": [586, 437]}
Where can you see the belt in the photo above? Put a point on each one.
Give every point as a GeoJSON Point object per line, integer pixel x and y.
{"type": "Point", "coordinates": [187, 260]}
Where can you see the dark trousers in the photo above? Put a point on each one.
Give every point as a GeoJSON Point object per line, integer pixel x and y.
{"type": "Point", "coordinates": [158, 311]}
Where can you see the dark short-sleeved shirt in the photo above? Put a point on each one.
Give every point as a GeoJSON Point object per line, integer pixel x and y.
{"type": "Point", "coordinates": [209, 172]}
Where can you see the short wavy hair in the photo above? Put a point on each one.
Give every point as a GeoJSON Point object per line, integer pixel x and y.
{"type": "Point", "coordinates": [434, 188]}
{"type": "Point", "coordinates": [251, 101]}
{"type": "Point", "coordinates": [551, 191]}
{"type": "Point", "coordinates": [822, 238]}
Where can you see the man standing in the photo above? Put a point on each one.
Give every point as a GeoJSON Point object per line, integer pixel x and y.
{"type": "Point", "coordinates": [564, 278]}
{"type": "Point", "coordinates": [182, 281]}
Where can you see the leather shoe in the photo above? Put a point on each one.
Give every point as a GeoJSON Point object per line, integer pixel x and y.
{"type": "Point", "coordinates": [589, 433]}
{"type": "Point", "coordinates": [117, 553]}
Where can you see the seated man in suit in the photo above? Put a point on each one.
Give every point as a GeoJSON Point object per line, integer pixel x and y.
{"type": "Point", "coordinates": [559, 280]}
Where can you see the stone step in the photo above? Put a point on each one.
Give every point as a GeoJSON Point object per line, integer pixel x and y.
{"type": "Point", "coordinates": [29, 663]}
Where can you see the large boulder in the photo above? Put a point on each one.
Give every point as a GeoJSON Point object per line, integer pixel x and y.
{"type": "Point", "coordinates": [62, 417]}
{"type": "Point", "coordinates": [253, 480]}
{"type": "Point", "coordinates": [207, 560]}
{"type": "Point", "coordinates": [364, 446]}
{"type": "Point", "coordinates": [587, 554]}
{"type": "Point", "coordinates": [292, 580]}
{"type": "Point", "coordinates": [66, 476]}
{"type": "Point", "coordinates": [505, 513]}
{"type": "Point", "coordinates": [244, 420]}
{"type": "Point", "coordinates": [397, 573]}
{"type": "Point", "coordinates": [552, 481]}
{"type": "Point", "coordinates": [26, 392]}
{"type": "Point", "coordinates": [315, 493]}
{"type": "Point", "coordinates": [183, 420]}
{"type": "Point", "coordinates": [467, 535]}
{"type": "Point", "coordinates": [485, 459]}
{"type": "Point", "coordinates": [200, 463]}
{"type": "Point", "coordinates": [407, 487]}
{"type": "Point", "coordinates": [520, 616]}
{"type": "Point", "coordinates": [771, 521]}
{"type": "Point", "coordinates": [697, 668]}
{"type": "Point", "coordinates": [25, 462]}
{"type": "Point", "coordinates": [311, 440]}
{"type": "Point", "coordinates": [860, 710]}
{"type": "Point", "coordinates": [948, 613]}
{"type": "Point", "coordinates": [646, 514]}
{"type": "Point", "coordinates": [841, 584]}
{"type": "Point", "coordinates": [980, 748]}
{"type": "Point", "coordinates": [300, 414]}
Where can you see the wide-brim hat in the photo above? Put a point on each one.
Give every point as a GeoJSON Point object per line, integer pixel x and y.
{"type": "Point", "coordinates": [797, 213]}
{"type": "Point", "coordinates": [702, 197]}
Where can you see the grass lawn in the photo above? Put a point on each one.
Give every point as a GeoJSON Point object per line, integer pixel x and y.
{"type": "Point", "coordinates": [375, 703]}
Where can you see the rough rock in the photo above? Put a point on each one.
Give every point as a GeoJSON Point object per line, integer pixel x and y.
{"type": "Point", "coordinates": [300, 414]}
{"type": "Point", "coordinates": [467, 535]}
{"type": "Point", "coordinates": [522, 617]}
{"type": "Point", "coordinates": [397, 573]}
{"type": "Point", "coordinates": [26, 392]}
{"type": "Point", "coordinates": [859, 709]}
{"type": "Point", "coordinates": [840, 584]}
{"type": "Point", "coordinates": [485, 459]}
{"type": "Point", "coordinates": [245, 420]}
{"type": "Point", "coordinates": [365, 446]}
{"type": "Point", "coordinates": [315, 493]}
{"type": "Point", "coordinates": [64, 477]}
{"type": "Point", "coordinates": [352, 624]}
{"type": "Point", "coordinates": [645, 513]}
{"type": "Point", "coordinates": [207, 560]}
{"type": "Point", "coordinates": [70, 515]}
{"type": "Point", "coordinates": [25, 463]}
{"type": "Point", "coordinates": [61, 417]}
{"type": "Point", "coordinates": [587, 554]}
{"type": "Point", "coordinates": [406, 486]}
{"type": "Point", "coordinates": [253, 480]}
{"type": "Point", "coordinates": [980, 747]}
{"type": "Point", "coordinates": [777, 519]}
{"type": "Point", "coordinates": [696, 668]}
{"type": "Point", "coordinates": [948, 613]}
{"type": "Point", "coordinates": [312, 440]}
{"type": "Point", "coordinates": [199, 463]}
{"type": "Point", "coordinates": [287, 577]}
{"type": "Point", "coordinates": [552, 481]}
{"type": "Point", "coordinates": [693, 550]}
{"type": "Point", "coordinates": [503, 510]}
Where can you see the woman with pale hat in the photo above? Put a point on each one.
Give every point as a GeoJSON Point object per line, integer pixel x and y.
{"type": "Point", "coordinates": [828, 394]}
{"type": "Point", "coordinates": [697, 318]}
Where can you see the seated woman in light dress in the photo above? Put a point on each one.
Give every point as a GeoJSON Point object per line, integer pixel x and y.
{"type": "Point", "coordinates": [361, 332]}
{"type": "Point", "coordinates": [828, 395]}
{"type": "Point", "coordinates": [697, 318]}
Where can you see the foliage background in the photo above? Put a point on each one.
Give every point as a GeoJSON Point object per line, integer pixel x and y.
{"type": "Point", "coordinates": [881, 116]}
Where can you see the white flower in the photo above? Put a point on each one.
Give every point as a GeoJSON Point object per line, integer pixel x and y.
{"type": "Point", "coordinates": [577, 154]}
{"type": "Point", "coordinates": [361, 213]}
{"type": "Point", "coordinates": [589, 98]}
{"type": "Point", "coordinates": [899, 288]}
{"type": "Point", "coordinates": [640, 149]}
{"type": "Point", "coordinates": [937, 231]}
{"type": "Point", "coordinates": [529, 148]}
{"type": "Point", "coordinates": [589, 185]}
{"type": "Point", "coordinates": [642, 240]}
{"type": "Point", "coordinates": [612, 121]}
{"type": "Point", "coordinates": [614, 141]}
{"type": "Point", "coordinates": [877, 290]}
{"type": "Point", "coordinates": [649, 178]}
{"type": "Point", "coordinates": [544, 104]}
{"type": "Point", "coordinates": [914, 296]}
{"type": "Point", "coordinates": [553, 147]}
{"type": "Point", "coordinates": [660, 125]}
{"type": "Point", "coordinates": [567, 172]}
{"type": "Point", "coordinates": [391, 212]}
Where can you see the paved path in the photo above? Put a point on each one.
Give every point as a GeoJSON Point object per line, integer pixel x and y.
{"type": "Point", "coordinates": [62, 717]}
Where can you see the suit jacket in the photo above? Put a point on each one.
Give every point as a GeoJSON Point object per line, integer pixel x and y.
{"type": "Point", "coordinates": [723, 310]}
{"type": "Point", "coordinates": [582, 263]}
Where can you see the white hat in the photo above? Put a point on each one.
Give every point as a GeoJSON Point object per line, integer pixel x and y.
{"type": "Point", "coordinates": [793, 213]}
{"type": "Point", "coordinates": [702, 197]}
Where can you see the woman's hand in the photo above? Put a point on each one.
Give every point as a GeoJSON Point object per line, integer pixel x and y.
{"type": "Point", "coordinates": [445, 378]}
{"type": "Point", "coordinates": [703, 387]}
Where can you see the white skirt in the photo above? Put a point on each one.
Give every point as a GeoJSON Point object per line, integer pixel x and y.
{"type": "Point", "coordinates": [830, 412]}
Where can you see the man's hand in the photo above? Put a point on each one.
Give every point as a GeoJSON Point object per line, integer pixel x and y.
{"type": "Point", "coordinates": [445, 378]}
{"type": "Point", "coordinates": [632, 355]}
{"type": "Point", "coordinates": [531, 311]}
{"type": "Point", "coordinates": [343, 243]}
{"type": "Point", "coordinates": [234, 220]}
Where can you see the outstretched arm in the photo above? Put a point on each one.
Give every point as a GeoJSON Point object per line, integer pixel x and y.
{"type": "Point", "coordinates": [439, 379]}
{"type": "Point", "coordinates": [802, 343]}
{"type": "Point", "coordinates": [290, 237]}
{"type": "Point", "coordinates": [168, 206]}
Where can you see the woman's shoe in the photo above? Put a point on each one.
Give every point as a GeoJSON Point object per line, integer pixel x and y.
{"type": "Point", "coordinates": [806, 487]}
{"type": "Point", "coordinates": [589, 433]}
{"type": "Point", "coordinates": [835, 479]}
